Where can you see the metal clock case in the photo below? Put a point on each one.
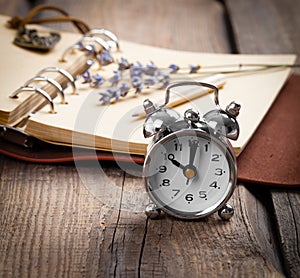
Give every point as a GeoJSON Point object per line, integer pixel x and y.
{"type": "Point", "coordinates": [190, 168]}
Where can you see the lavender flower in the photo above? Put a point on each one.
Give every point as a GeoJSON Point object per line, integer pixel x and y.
{"type": "Point", "coordinates": [87, 77]}
{"type": "Point", "coordinates": [105, 97]}
{"type": "Point", "coordinates": [138, 89]}
{"type": "Point", "coordinates": [136, 70]}
{"type": "Point", "coordinates": [115, 92]}
{"type": "Point", "coordinates": [98, 80]}
{"type": "Point", "coordinates": [137, 83]}
{"type": "Point", "coordinates": [150, 81]}
{"type": "Point", "coordinates": [81, 45]}
{"type": "Point", "coordinates": [150, 69]}
{"type": "Point", "coordinates": [174, 68]}
{"type": "Point", "coordinates": [194, 68]}
{"type": "Point", "coordinates": [124, 64]}
{"type": "Point", "coordinates": [114, 80]}
{"type": "Point", "coordinates": [164, 80]}
{"type": "Point", "coordinates": [124, 88]}
{"type": "Point", "coordinates": [90, 49]}
{"type": "Point", "coordinates": [106, 58]}
{"type": "Point", "coordinates": [109, 94]}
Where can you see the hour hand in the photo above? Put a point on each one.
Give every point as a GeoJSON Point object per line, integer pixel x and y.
{"type": "Point", "coordinates": [171, 157]}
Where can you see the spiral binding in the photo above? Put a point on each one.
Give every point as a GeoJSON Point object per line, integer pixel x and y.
{"type": "Point", "coordinates": [50, 81]}
{"type": "Point", "coordinates": [37, 90]}
{"type": "Point", "coordinates": [93, 44]}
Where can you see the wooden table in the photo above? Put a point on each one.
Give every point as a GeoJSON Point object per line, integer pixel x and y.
{"type": "Point", "coordinates": [52, 225]}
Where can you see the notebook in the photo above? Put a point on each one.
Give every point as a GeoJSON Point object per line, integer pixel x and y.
{"type": "Point", "coordinates": [84, 122]}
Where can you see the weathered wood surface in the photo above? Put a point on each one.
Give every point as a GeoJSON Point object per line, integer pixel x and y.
{"type": "Point", "coordinates": [274, 29]}
{"type": "Point", "coordinates": [53, 224]}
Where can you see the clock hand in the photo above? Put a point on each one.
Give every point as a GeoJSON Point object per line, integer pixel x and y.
{"type": "Point", "coordinates": [190, 169]}
{"type": "Point", "coordinates": [171, 157]}
{"type": "Point", "coordinates": [193, 149]}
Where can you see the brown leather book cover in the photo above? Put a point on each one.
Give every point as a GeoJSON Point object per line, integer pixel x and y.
{"type": "Point", "coordinates": [272, 156]}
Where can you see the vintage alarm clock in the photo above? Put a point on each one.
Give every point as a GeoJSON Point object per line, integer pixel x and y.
{"type": "Point", "coordinates": [190, 168]}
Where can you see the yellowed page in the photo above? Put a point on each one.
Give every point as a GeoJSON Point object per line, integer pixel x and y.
{"type": "Point", "coordinates": [86, 116]}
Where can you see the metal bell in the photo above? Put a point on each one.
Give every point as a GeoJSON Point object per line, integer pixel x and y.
{"type": "Point", "coordinates": [224, 122]}
{"type": "Point", "coordinates": [158, 119]}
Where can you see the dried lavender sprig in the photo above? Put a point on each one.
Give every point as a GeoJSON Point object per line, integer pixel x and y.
{"type": "Point", "coordinates": [202, 69]}
{"type": "Point", "coordinates": [145, 76]}
{"type": "Point", "coordinates": [140, 76]}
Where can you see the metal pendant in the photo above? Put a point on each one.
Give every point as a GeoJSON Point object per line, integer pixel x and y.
{"type": "Point", "coordinates": [30, 38]}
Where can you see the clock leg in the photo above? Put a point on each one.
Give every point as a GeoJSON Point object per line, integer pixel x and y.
{"type": "Point", "coordinates": [226, 212]}
{"type": "Point", "coordinates": [152, 211]}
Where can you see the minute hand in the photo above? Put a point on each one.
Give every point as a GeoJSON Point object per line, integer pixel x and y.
{"type": "Point", "coordinates": [193, 149]}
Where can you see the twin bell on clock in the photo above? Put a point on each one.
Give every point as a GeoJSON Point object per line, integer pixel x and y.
{"type": "Point", "coordinates": [190, 168]}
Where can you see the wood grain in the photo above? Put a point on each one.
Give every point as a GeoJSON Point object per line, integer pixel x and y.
{"type": "Point", "coordinates": [207, 248]}
{"type": "Point", "coordinates": [53, 223]}
{"type": "Point", "coordinates": [286, 207]}
{"type": "Point", "coordinates": [272, 26]}
{"type": "Point", "coordinates": [187, 25]}
{"type": "Point", "coordinates": [273, 30]}
{"type": "Point", "coordinates": [13, 8]}
{"type": "Point", "coordinates": [62, 220]}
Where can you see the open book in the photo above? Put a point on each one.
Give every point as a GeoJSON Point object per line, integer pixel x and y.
{"type": "Point", "coordinates": [83, 121]}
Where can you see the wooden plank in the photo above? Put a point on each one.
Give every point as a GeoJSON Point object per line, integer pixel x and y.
{"type": "Point", "coordinates": [158, 24]}
{"type": "Point", "coordinates": [169, 23]}
{"type": "Point", "coordinates": [286, 206]}
{"type": "Point", "coordinates": [266, 26]}
{"type": "Point", "coordinates": [14, 7]}
{"type": "Point", "coordinates": [207, 248]}
{"type": "Point", "coordinates": [56, 222]}
{"type": "Point", "coordinates": [274, 30]}
{"type": "Point", "coordinates": [53, 223]}
{"type": "Point", "coordinates": [49, 221]}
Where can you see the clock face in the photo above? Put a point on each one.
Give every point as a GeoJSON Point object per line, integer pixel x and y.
{"type": "Point", "coordinates": [190, 174]}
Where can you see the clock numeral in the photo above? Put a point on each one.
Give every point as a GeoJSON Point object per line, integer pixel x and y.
{"type": "Point", "coordinates": [206, 146]}
{"type": "Point", "coordinates": [176, 192]}
{"type": "Point", "coordinates": [178, 146]}
{"type": "Point", "coordinates": [202, 194]}
{"type": "Point", "coordinates": [165, 182]}
{"type": "Point", "coordinates": [219, 172]}
{"type": "Point", "coordinates": [189, 197]}
{"type": "Point", "coordinates": [216, 157]}
{"type": "Point", "coordinates": [171, 156]}
{"type": "Point", "coordinates": [214, 185]}
{"type": "Point", "coordinates": [162, 169]}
